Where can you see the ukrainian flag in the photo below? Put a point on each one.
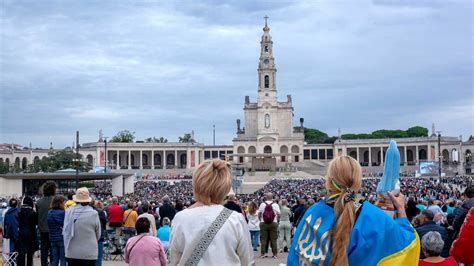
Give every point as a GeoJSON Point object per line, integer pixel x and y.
{"type": "Point", "coordinates": [376, 239]}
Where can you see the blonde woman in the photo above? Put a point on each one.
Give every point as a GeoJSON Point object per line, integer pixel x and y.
{"type": "Point", "coordinates": [339, 231]}
{"type": "Point", "coordinates": [207, 233]}
{"type": "Point", "coordinates": [284, 226]}
{"type": "Point", "coordinates": [254, 224]}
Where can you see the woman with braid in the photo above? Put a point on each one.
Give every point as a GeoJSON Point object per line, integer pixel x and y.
{"type": "Point", "coordinates": [339, 231]}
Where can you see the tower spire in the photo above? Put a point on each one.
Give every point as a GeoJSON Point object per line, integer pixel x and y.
{"type": "Point", "coordinates": [266, 67]}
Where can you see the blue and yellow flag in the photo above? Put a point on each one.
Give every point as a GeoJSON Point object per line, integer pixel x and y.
{"type": "Point", "coordinates": [376, 239]}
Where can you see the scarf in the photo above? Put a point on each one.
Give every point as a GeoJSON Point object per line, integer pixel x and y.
{"type": "Point", "coordinates": [72, 215]}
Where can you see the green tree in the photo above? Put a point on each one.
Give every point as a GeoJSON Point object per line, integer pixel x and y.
{"type": "Point", "coordinates": [124, 136]}
{"type": "Point", "coordinates": [156, 140]}
{"type": "Point", "coordinates": [417, 131]}
{"type": "Point", "coordinates": [313, 135]}
{"type": "Point", "coordinates": [4, 168]}
{"type": "Point", "coordinates": [187, 138]}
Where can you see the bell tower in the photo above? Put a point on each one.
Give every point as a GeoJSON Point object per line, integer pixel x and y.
{"type": "Point", "coordinates": [266, 69]}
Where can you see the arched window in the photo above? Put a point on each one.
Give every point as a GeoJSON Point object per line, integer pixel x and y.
{"type": "Point", "coordinates": [267, 81]}
{"type": "Point", "coordinates": [266, 48]}
{"type": "Point", "coordinates": [24, 163]}
{"type": "Point", "coordinates": [267, 120]}
{"type": "Point", "coordinates": [409, 156]}
{"type": "Point", "coordinates": [267, 149]}
{"type": "Point", "coordinates": [157, 159]}
{"type": "Point", "coordinates": [422, 154]}
{"type": "Point", "coordinates": [366, 156]}
{"type": "Point", "coordinates": [170, 160]}
{"type": "Point", "coordinates": [353, 154]}
{"type": "Point", "coordinates": [144, 159]}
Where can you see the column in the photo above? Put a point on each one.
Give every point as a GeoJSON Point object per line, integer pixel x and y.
{"type": "Point", "coordinates": [163, 160]}
{"type": "Point", "coordinates": [405, 155]}
{"type": "Point", "coordinates": [141, 159]}
{"type": "Point", "coordinates": [175, 158]}
{"type": "Point", "coordinates": [152, 159]}
{"type": "Point", "coordinates": [370, 156]}
{"type": "Point", "coordinates": [188, 159]}
{"type": "Point", "coordinates": [117, 166]}
{"type": "Point", "coordinates": [129, 159]}
{"type": "Point", "coordinates": [326, 154]}
{"type": "Point", "coordinates": [417, 157]}
{"type": "Point", "coordinates": [429, 152]}
{"type": "Point", "coordinates": [358, 157]}
{"type": "Point", "coordinates": [381, 156]}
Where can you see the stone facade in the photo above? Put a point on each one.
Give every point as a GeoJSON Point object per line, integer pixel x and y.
{"type": "Point", "coordinates": [268, 131]}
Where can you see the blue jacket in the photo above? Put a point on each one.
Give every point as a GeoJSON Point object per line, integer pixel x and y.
{"type": "Point", "coordinates": [10, 225]}
{"type": "Point", "coordinates": [55, 224]}
{"type": "Point", "coordinates": [432, 226]}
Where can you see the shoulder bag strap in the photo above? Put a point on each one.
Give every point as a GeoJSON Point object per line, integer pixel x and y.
{"type": "Point", "coordinates": [138, 240]}
{"type": "Point", "coordinates": [207, 238]}
{"type": "Point", "coordinates": [126, 218]}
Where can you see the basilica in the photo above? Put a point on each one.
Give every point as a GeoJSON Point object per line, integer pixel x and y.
{"type": "Point", "coordinates": [267, 140]}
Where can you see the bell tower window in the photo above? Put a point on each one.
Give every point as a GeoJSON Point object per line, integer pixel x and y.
{"type": "Point", "coordinates": [266, 48]}
{"type": "Point", "coordinates": [267, 82]}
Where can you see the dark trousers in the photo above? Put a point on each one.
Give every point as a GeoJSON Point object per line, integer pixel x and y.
{"type": "Point", "coordinates": [268, 235]}
{"type": "Point", "coordinates": [21, 259]}
{"type": "Point", "coordinates": [78, 262]}
{"type": "Point", "coordinates": [45, 249]}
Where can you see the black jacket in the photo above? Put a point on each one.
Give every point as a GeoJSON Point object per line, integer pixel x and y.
{"type": "Point", "coordinates": [461, 213]}
{"type": "Point", "coordinates": [432, 226]}
{"type": "Point", "coordinates": [27, 221]}
{"type": "Point", "coordinates": [233, 206]}
{"type": "Point", "coordinates": [166, 211]}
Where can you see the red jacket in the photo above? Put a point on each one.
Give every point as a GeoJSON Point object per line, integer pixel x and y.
{"type": "Point", "coordinates": [462, 249]}
{"type": "Point", "coordinates": [115, 213]}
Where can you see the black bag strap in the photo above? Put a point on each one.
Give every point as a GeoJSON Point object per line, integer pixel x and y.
{"type": "Point", "coordinates": [138, 240]}
{"type": "Point", "coordinates": [207, 238]}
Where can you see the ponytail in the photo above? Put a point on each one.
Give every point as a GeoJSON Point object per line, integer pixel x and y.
{"type": "Point", "coordinates": [343, 180]}
{"type": "Point", "coordinates": [345, 213]}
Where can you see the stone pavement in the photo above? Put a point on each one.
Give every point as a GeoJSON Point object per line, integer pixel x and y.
{"type": "Point", "coordinates": [263, 262]}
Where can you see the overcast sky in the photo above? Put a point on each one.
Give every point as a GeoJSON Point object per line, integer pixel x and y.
{"type": "Point", "coordinates": [165, 68]}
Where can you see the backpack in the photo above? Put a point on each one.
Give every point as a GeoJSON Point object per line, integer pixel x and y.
{"type": "Point", "coordinates": [268, 213]}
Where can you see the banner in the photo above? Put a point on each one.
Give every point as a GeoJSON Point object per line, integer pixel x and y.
{"type": "Point", "coordinates": [102, 158]}
{"type": "Point", "coordinates": [193, 161]}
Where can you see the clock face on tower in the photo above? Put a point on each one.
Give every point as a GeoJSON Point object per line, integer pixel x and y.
{"type": "Point", "coordinates": [266, 61]}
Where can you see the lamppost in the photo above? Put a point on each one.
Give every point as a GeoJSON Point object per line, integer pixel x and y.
{"type": "Point", "coordinates": [77, 160]}
{"type": "Point", "coordinates": [105, 163]}
{"type": "Point", "coordinates": [439, 154]}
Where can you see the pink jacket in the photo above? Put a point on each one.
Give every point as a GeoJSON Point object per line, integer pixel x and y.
{"type": "Point", "coordinates": [147, 251]}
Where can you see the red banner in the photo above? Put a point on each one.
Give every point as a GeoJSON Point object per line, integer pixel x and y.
{"type": "Point", "coordinates": [193, 161]}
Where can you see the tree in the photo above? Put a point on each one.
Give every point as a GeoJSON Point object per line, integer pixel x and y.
{"type": "Point", "coordinates": [124, 136]}
{"type": "Point", "coordinates": [312, 135]}
{"type": "Point", "coordinates": [156, 140]}
{"type": "Point", "coordinates": [417, 131]}
{"type": "Point", "coordinates": [187, 138]}
{"type": "Point", "coordinates": [4, 168]}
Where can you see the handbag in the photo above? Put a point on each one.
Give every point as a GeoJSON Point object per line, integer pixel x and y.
{"type": "Point", "coordinates": [207, 238]}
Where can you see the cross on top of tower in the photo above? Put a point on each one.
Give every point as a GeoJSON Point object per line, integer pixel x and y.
{"type": "Point", "coordinates": [266, 28]}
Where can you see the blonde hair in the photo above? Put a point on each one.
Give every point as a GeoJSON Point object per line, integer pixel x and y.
{"type": "Point", "coordinates": [252, 208]}
{"type": "Point", "coordinates": [212, 181]}
{"type": "Point", "coordinates": [343, 172]}
{"type": "Point", "coordinates": [284, 202]}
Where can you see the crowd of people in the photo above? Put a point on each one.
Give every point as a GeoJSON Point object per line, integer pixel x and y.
{"type": "Point", "coordinates": [165, 222]}
{"type": "Point", "coordinates": [164, 177]}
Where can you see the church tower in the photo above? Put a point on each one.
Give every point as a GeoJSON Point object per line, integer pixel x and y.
{"type": "Point", "coordinates": [268, 139]}
{"type": "Point", "coordinates": [266, 69]}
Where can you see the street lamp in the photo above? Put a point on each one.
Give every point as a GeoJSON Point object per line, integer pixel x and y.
{"type": "Point", "coordinates": [77, 160]}
{"type": "Point", "coordinates": [439, 154]}
{"type": "Point", "coordinates": [105, 162]}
